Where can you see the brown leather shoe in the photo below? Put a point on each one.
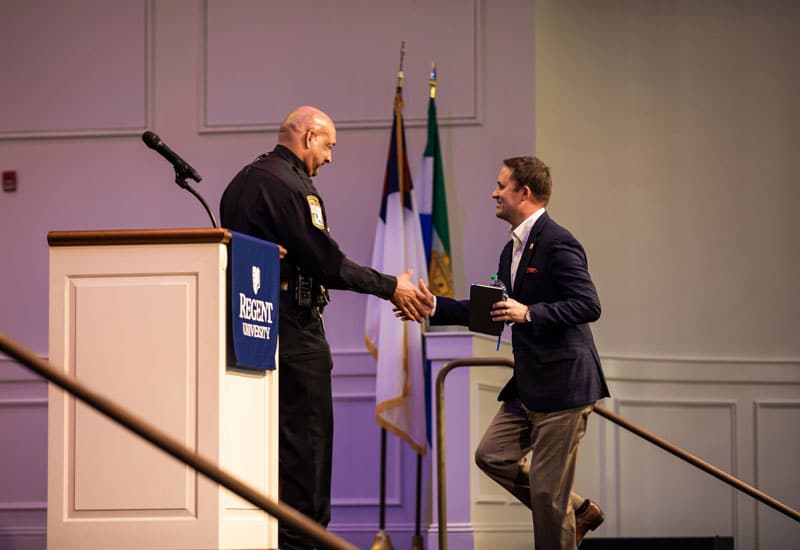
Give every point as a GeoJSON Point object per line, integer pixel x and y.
{"type": "Point", "coordinates": [589, 520]}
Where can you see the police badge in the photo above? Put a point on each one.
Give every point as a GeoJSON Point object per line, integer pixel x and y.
{"type": "Point", "coordinates": [314, 206]}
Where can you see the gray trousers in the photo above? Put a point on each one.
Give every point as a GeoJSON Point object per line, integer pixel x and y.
{"type": "Point", "coordinates": [543, 484]}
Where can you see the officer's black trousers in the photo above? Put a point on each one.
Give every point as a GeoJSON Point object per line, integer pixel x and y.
{"type": "Point", "coordinates": [305, 420]}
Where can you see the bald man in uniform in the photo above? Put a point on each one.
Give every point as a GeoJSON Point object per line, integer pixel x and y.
{"type": "Point", "coordinates": [274, 199]}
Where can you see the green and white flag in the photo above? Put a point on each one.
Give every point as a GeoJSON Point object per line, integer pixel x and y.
{"type": "Point", "coordinates": [433, 208]}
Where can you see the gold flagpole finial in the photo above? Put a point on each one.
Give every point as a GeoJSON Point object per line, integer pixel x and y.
{"type": "Point", "coordinates": [432, 80]}
{"type": "Point", "coordinates": [400, 72]}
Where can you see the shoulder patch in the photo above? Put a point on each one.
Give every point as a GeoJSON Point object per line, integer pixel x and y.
{"type": "Point", "coordinates": [317, 219]}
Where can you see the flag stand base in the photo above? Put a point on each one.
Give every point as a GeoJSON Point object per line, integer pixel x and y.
{"type": "Point", "coordinates": [417, 543]}
{"type": "Point", "coordinates": [382, 541]}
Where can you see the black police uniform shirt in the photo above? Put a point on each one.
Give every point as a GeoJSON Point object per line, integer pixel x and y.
{"type": "Point", "coordinates": [274, 199]}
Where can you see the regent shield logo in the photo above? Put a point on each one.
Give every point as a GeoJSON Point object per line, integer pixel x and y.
{"type": "Point", "coordinates": [256, 279]}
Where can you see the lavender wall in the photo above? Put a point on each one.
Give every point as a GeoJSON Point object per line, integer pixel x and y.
{"type": "Point", "coordinates": [82, 80]}
{"type": "Point", "coordinates": [213, 79]}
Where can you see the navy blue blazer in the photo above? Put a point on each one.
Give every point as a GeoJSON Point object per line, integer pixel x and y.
{"type": "Point", "coordinates": [556, 365]}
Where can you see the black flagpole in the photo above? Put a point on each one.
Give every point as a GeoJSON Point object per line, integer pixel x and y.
{"type": "Point", "coordinates": [416, 541]}
{"type": "Point", "coordinates": [382, 519]}
{"type": "Point", "coordinates": [382, 541]}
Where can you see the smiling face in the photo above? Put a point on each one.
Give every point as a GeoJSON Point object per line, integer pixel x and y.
{"type": "Point", "coordinates": [510, 198]}
{"type": "Point", "coordinates": [310, 135]}
{"type": "Point", "coordinates": [320, 141]}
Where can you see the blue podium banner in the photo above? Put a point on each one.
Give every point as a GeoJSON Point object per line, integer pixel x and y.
{"type": "Point", "coordinates": [255, 291]}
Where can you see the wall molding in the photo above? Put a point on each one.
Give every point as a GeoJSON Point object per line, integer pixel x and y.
{"type": "Point", "coordinates": [700, 359]}
{"type": "Point", "coordinates": [760, 405]}
{"type": "Point", "coordinates": [45, 133]}
{"type": "Point", "coordinates": [483, 527]}
{"type": "Point", "coordinates": [730, 405]}
{"type": "Point", "coordinates": [14, 531]}
{"type": "Point", "coordinates": [752, 360]}
{"type": "Point", "coordinates": [707, 370]}
{"type": "Point", "coordinates": [394, 455]}
{"type": "Point", "coordinates": [13, 372]}
{"type": "Point", "coordinates": [355, 361]}
{"type": "Point", "coordinates": [511, 527]}
{"type": "Point", "coordinates": [501, 497]}
{"type": "Point", "coordinates": [382, 121]}
{"type": "Point", "coordinates": [23, 505]}
{"type": "Point", "coordinates": [23, 402]}
{"type": "Point", "coordinates": [391, 527]}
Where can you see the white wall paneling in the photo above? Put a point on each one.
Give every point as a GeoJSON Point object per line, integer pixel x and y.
{"type": "Point", "coordinates": [708, 429]}
{"type": "Point", "coordinates": [777, 455]}
{"type": "Point", "coordinates": [485, 403]}
{"type": "Point", "coordinates": [356, 459]}
{"type": "Point", "coordinates": [499, 519]}
{"type": "Point", "coordinates": [23, 457]}
{"type": "Point", "coordinates": [89, 77]}
{"type": "Point", "coordinates": [739, 415]}
{"type": "Point", "coordinates": [357, 454]}
{"type": "Point", "coordinates": [350, 63]}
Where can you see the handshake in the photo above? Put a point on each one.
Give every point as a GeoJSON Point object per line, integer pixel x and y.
{"type": "Point", "coordinates": [411, 302]}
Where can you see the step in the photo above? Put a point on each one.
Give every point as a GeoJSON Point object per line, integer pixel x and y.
{"type": "Point", "coordinates": [658, 543]}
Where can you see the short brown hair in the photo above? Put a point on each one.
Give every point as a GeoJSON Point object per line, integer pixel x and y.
{"type": "Point", "coordinates": [532, 173]}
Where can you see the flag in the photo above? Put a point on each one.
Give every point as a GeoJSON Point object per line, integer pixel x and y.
{"type": "Point", "coordinates": [433, 209]}
{"type": "Point", "coordinates": [435, 227]}
{"type": "Point", "coordinates": [396, 345]}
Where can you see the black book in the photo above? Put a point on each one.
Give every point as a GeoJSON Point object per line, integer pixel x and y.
{"type": "Point", "coordinates": [481, 300]}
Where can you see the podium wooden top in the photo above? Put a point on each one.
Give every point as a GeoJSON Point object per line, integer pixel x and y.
{"type": "Point", "coordinates": [138, 236]}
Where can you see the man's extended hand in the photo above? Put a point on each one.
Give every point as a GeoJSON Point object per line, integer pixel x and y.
{"type": "Point", "coordinates": [410, 300]}
{"type": "Point", "coordinates": [430, 302]}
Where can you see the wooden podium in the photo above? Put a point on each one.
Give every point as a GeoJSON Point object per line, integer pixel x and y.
{"type": "Point", "coordinates": [140, 316]}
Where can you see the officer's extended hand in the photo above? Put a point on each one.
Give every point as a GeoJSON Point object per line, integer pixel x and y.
{"type": "Point", "coordinates": [429, 302]}
{"type": "Point", "coordinates": [281, 251]}
{"type": "Point", "coordinates": [409, 299]}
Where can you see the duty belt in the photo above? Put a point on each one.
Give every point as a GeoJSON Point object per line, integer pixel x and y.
{"type": "Point", "coordinates": [305, 295]}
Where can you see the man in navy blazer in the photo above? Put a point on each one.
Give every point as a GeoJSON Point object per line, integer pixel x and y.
{"type": "Point", "coordinates": [557, 374]}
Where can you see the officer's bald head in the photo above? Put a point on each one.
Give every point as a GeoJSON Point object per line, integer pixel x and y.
{"type": "Point", "coordinates": [310, 134]}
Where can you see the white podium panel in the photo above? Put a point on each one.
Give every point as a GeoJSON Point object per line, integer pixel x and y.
{"type": "Point", "coordinates": [140, 317]}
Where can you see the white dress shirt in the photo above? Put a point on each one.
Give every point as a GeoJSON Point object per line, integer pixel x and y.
{"type": "Point", "coordinates": [520, 236]}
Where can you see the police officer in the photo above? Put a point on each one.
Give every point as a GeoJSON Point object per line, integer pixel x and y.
{"type": "Point", "coordinates": [274, 199]}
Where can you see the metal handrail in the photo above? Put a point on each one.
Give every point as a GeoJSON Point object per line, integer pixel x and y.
{"type": "Point", "coordinates": [633, 428]}
{"type": "Point", "coordinates": [172, 446]}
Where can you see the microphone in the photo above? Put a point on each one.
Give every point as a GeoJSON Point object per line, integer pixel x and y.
{"type": "Point", "coordinates": [183, 169]}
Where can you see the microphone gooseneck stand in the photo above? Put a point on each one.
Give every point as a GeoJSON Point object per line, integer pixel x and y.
{"type": "Point", "coordinates": [180, 178]}
{"type": "Point", "coordinates": [183, 170]}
